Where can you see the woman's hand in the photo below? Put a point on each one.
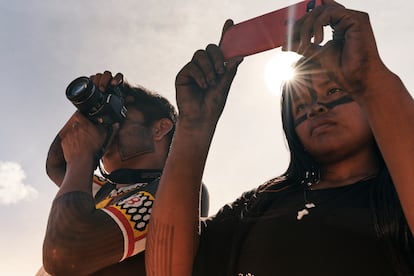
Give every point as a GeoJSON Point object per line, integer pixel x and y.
{"type": "Point", "coordinates": [203, 84]}
{"type": "Point", "coordinates": [351, 57]}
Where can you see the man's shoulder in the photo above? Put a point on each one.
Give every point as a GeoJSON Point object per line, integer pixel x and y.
{"type": "Point", "coordinates": [99, 180]}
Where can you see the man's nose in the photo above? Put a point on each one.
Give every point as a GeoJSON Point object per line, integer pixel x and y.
{"type": "Point", "coordinates": [317, 109]}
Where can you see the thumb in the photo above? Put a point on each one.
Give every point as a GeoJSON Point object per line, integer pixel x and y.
{"type": "Point", "coordinates": [231, 70]}
{"type": "Point", "coordinates": [226, 26]}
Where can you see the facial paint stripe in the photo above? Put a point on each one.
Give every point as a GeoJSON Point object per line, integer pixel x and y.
{"type": "Point", "coordinates": [328, 105]}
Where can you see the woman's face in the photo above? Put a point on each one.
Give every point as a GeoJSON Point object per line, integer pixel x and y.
{"type": "Point", "coordinates": [328, 122]}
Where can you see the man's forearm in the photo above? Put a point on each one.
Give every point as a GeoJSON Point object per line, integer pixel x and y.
{"type": "Point", "coordinates": [55, 162]}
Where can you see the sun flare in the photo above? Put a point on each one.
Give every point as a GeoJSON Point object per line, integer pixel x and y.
{"type": "Point", "coordinates": [280, 69]}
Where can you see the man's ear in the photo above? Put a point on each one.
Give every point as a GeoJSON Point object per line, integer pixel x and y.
{"type": "Point", "coordinates": [161, 128]}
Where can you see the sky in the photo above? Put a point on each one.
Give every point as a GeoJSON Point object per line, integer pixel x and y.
{"type": "Point", "coordinates": [47, 43]}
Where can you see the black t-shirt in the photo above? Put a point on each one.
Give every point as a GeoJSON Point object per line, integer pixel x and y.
{"type": "Point", "coordinates": [337, 237]}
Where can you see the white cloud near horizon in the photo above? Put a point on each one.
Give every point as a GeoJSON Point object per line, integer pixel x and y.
{"type": "Point", "coordinates": [12, 186]}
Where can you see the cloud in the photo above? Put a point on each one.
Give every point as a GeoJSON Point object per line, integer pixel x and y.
{"type": "Point", "coordinates": [12, 187]}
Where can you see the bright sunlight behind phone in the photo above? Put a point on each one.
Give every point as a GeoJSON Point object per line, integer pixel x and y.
{"type": "Point", "coordinates": [279, 69]}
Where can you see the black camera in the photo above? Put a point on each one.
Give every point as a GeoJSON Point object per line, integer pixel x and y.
{"type": "Point", "coordinates": [101, 108]}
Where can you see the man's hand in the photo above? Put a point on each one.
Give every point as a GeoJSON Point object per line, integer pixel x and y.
{"type": "Point", "coordinates": [103, 80]}
{"type": "Point", "coordinates": [78, 125]}
{"type": "Point", "coordinates": [81, 139]}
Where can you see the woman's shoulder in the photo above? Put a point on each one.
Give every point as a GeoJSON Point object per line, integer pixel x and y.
{"type": "Point", "coordinates": [276, 184]}
{"type": "Point", "coordinates": [242, 203]}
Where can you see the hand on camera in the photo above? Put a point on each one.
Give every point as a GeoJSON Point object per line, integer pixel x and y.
{"type": "Point", "coordinates": [103, 80]}
{"type": "Point", "coordinates": [81, 138]}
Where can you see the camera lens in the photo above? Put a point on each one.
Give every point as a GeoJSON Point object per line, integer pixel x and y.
{"type": "Point", "coordinates": [85, 96]}
{"type": "Point", "coordinates": [77, 88]}
{"type": "Point", "coordinates": [100, 107]}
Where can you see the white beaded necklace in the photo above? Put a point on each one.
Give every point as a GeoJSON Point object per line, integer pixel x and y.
{"type": "Point", "coordinates": [308, 205]}
{"type": "Point", "coordinates": [310, 180]}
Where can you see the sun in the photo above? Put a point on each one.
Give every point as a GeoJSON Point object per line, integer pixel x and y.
{"type": "Point", "coordinates": [279, 69]}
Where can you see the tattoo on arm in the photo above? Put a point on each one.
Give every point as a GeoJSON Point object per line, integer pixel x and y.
{"type": "Point", "coordinates": [160, 262]}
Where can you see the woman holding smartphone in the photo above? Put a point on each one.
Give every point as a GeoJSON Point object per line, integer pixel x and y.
{"type": "Point", "coordinates": [344, 205]}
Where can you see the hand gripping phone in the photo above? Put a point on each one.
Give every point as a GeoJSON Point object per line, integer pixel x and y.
{"type": "Point", "coordinates": [264, 32]}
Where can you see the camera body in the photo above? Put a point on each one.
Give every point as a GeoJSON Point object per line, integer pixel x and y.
{"type": "Point", "coordinates": [101, 108]}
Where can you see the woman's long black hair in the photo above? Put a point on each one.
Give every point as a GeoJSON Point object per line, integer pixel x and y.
{"type": "Point", "coordinates": [389, 221]}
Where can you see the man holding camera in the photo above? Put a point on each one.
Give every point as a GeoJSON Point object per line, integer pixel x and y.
{"type": "Point", "coordinates": [98, 225]}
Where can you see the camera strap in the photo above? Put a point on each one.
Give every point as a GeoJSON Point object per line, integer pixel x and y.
{"type": "Point", "coordinates": [100, 153]}
{"type": "Point", "coordinates": [132, 176]}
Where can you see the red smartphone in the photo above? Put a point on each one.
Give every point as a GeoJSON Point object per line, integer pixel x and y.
{"type": "Point", "coordinates": [264, 32]}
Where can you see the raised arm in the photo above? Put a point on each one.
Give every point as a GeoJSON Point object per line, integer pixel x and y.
{"type": "Point", "coordinates": [202, 87]}
{"type": "Point", "coordinates": [79, 238]}
{"type": "Point", "coordinates": [55, 161]}
{"type": "Point", "coordinates": [354, 61]}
